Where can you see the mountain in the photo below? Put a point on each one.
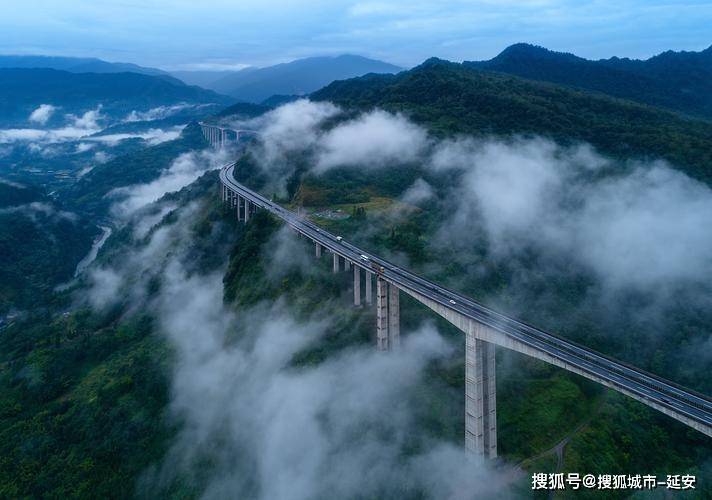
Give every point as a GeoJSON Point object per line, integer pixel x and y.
{"type": "Point", "coordinates": [77, 65]}
{"type": "Point", "coordinates": [40, 245]}
{"type": "Point", "coordinates": [681, 81]}
{"type": "Point", "coordinates": [453, 98]}
{"type": "Point", "coordinates": [22, 90]}
{"type": "Point", "coordinates": [298, 77]}
{"type": "Point", "coordinates": [137, 167]}
{"type": "Point", "coordinates": [244, 110]}
{"type": "Point", "coordinates": [205, 79]}
{"type": "Point", "coordinates": [277, 100]}
{"type": "Point", "coordinates": [107, 398]}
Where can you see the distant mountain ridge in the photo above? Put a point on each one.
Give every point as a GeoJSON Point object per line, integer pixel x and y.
{"type": "Point", "coordinates": [681, 81]}
{"type": "Point", "coordinates": [22, 90]}
{"type": "Point", "coordinates": [299, 77]}
{"type": "Point", "coordinates": [451, 99]}
{"type": "Point", "coordinates": [77, 65]}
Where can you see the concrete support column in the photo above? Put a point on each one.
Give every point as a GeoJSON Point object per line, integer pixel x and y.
{"type": "Point", "coordinates": [480, 397]}
{"type": "Point", "coordinates": [247, 209]}
{"type": "Point", "coordinates": [357, 286]}
{"type": "Point", "coordinates": [393, 317]}
{"type": "Point", "coordinates": [369, 300]}
{"type": "Point", "coordinates": [336, 262]}
{"type": "Point", "coordinates": [239, 207]}
{"type": "Point", "coordinates": [317, 249]}
{"type": "Point", "coordinates": [381, 315]}
{"type": "Point", "coordinates": [489, 407]}
{"type": "Point", "coordinates": [347, 264]}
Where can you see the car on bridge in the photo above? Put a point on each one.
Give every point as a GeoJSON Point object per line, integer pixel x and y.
{"type": "Point", "coordinates": [377, 268]}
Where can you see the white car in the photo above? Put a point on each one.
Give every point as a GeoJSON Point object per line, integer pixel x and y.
{"type": "Point", "coordinates": [453, 302]}
{"type": "Point", "coordinates": [339, 238]}
{"type": "Point", "coordinates": [364, 257]}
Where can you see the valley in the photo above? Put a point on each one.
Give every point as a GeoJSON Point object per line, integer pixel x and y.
{"type": "Point", "coordinates": [153, 345]}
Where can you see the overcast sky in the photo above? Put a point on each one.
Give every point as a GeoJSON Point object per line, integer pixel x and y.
{"type": "Point", "coordinates": [194, 34]}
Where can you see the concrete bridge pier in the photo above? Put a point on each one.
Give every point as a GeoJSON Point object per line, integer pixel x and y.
{"type": "Point", "coordinates": [381, 315]}
{"type": "Point", "coordinates": [368, 276]}
{"type": "Point", "coordinates": [317, 249]}
{"type": "Point", "coordinates": [232, 200]}
{"type": "Point", "coordinates": [247, 210]}
{"type": "Point", "coordinates": [393, 317]}
{"type": "Point", "coordinates": [480, 397]}
{"type": "Point", "coordinates": [336, 262]}
{"type": "Point", "coordinates": [357, 286]}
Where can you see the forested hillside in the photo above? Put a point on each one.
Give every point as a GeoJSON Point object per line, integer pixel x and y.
{"type": "Point", "coordinates": [453, 99]}
{"type": "Point", "coordinates": [40, 246]}
{"type": "Point", "coordinates": [136, 167]}
{"type": "Point", "coordinates": [181, 363]}
{"type": "Point", "coordinates": [680, 81]}
{"type": "Point", "coordinates": [23, 90]}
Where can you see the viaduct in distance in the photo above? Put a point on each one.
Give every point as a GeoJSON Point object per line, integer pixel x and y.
{"type": "Point", "coordinates": [483, 328]}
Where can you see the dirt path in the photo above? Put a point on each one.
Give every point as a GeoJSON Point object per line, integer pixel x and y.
{"type": "Point", "coordinates": [559, 448]}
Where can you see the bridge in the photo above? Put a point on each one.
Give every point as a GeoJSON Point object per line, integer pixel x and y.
{"type": "Point", "coordinates": [483, 328]}
{"type": "Point", "coordinates": [219, 136]}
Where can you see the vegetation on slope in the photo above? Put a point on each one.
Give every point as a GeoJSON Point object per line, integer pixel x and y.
{"type": "Point", "coordinates": [22, 90]}
{"type": "Point", "coordinates": [83, 395]}
{"type": "Point", "coordinates": [134, 168]}
{"type": "Point", "coordinates": [40, 246]}
{"type": "Point", "coordinates": [681, 81]}
{"type": "Point", "coordinates": [449, 99]}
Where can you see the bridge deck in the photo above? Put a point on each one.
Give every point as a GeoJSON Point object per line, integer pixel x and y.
{"type": "Point", "coordinates": [685, 405]}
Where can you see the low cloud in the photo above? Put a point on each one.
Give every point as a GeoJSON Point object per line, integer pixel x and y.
{"type": "Point", "coordinates": [286, 254]}
{"type": "Point", "coordinates": [36, 208]}
{"type": "Point", "coordinates": [641, 226]}
{"type": "Point", "coordinates": [240, 402]}
{"type": "Point", "coordinates": [77, 127]}
{"type": "Point", "coordinates": [417, 193]}
{"type": "Point", "coordinates": [98, 158]}
{"type": "Point", "coordinates": [83, 147]}
{"type": "Point", "coordinates": [635, 225]}
{"type": "Point", "coordinates": [14, 184]}
{"type": "Point", "coordinates": [88, 121]}
{"type": "Point", "coordinates": [294, 127]}
{"type": "Point", "coordinates": [303, 130]}
{"type": "Point", "coordinates": [272, 430]}
{"type": "Point", "coordinates": [125, 280]}
{"type": "Point", "coordinates": [160, 112]}
{"type": "Point", "coordinates": [184, 170]}
{"type": "Point", "coordinates": [42, 114]}
{"type": "Point", "coordinates": [153, 136]}
{"type": "Point", "coordinates": [372, 140]}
